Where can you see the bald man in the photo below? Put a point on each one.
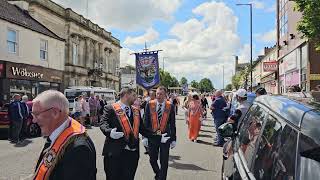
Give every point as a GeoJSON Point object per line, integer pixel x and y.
{"type": "Point", "coordinates": [219, 115]}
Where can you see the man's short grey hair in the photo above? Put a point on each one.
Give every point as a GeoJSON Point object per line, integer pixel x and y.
{"type": "Point", "coordinates": [53, 98]}
{"type": "Point", "coordinates": [25, 98]}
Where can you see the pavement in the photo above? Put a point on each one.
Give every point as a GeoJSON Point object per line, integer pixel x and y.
{"type": "Point", "coordinates": [188, 161]}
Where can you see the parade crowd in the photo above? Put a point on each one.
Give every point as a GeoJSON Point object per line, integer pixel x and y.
{"type": "Point", "coordinates": [69, 153]}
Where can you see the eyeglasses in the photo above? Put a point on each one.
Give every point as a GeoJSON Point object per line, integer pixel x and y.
{"type": "Point", "coordinates": [37, 114]}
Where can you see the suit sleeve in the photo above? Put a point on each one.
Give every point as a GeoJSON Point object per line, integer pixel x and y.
{"type": "Point", "coordinates": [172, 124]}
{"type": "Point", "coordinates": [147, 117]}
{"type": "Point", "coordinates": [79, 163]}
{"type": "Point", "coordinates": [106, 125]}
{"type": "Point", "coordinates": [145, 132]}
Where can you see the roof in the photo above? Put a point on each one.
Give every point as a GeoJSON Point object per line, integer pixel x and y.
{"type": "Point", "coordinates": [15, 15]}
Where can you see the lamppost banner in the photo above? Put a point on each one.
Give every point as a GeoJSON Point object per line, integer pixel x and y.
{"type": "Point", "coordinates": [147, 69]}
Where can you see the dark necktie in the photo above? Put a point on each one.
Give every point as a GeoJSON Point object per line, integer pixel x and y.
{"type": "Point", "coordinates": [44, 150]}
{"type": "Point", "coordinates": [159, 112]}
{"type": "Point", "coordinates": [127, 111]}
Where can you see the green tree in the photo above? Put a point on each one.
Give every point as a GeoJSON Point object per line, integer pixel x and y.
{"type": "Point", "coordinates": [205, 85]}
{"type": "Point", "coordinates": [183, 81]}
{"type": "Point", "coordinates": [228, 87]}
{"type": "Point", "coordinates": [174, 82]}
{"type": "Point", "coordinates": [194, 84]}
{"type": "Point", "coordinates": [309, 25]}
{"type": "Point", "coordinates": [167, 80]}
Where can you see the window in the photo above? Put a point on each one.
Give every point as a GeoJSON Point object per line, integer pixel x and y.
{"type": "Point", "coordinates": [74, 53]}
{"type": "Point", "coordinates": [276, 154]}
{"type": "Point", "coordinates": [250, 131]}
{"type": "Point", "coordinates": [43, 49]}
{"type": "Point", "coordinates": [12, 41]}
{"type": "Point", "coordinates": [283, 17]}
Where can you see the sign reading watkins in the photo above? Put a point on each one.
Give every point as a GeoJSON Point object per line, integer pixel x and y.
{"type": "Point", "coordinates": [270, 66]}
{"type": "Point", "coordinates": [24, 72]}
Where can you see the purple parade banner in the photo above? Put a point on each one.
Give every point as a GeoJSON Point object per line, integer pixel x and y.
{"type": "Point", "coordinates": [147, 69]}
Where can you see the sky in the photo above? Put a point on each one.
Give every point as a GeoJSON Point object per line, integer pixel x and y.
{"type": "Point", "coordinates": [199, 38]}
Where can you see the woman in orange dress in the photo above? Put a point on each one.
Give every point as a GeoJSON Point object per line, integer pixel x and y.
{"type": "Point", "coordinates": [195, 112]}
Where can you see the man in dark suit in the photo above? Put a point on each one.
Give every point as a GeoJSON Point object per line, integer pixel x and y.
{"type": "Point", "coordinates": [160, 118]}
{"type": "Point", "coordinates": [121, 124]}
{"type": "Point", "coordinates": [68, 152]}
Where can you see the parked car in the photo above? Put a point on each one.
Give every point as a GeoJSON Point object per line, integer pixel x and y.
{"type": "Point", "coordinates": [32, 129]}
{"type": "Point", "coordinates": [278, 138]}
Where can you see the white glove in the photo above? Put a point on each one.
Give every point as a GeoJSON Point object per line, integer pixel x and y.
{"type": "Point", "coordinates": [173, 144]}
{"type": "Point", "coordinates": [116, 135]}
{"type": "Point", "coordinates": [164, 139]}
{"type": "Point", "coordinates": [145, 142]}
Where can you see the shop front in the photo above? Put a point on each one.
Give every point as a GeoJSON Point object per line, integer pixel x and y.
{"type": "Point", "coordinates": [27, 80]}
{"type": "Point", "coordinates": [269, 82]}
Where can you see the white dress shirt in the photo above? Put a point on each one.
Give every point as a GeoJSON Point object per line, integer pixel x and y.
{"type": "Point", "coordinates": [54, 135]}
{"type": "Point", "coordinates": [123, 107]}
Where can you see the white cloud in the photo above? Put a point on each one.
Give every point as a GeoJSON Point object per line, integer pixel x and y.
{"type": "Point", "coordinates": [200, 47]}
{"type": "Point", "coordinates": [126, 57]}
{"type": "Point", "coordinates": [267, 37]}
{"type": "Point", "coordinates": [150, 36]}
{"type": "Point", "coordinates": [258, 4]}
{"type": "Point", "coordinates": [126, 15]}
{"type": "Point", "coordinates": [273, 8]}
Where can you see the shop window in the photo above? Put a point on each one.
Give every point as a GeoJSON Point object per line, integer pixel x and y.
{"type": "Point", "coordinates": [12, 41]}
{"type": "Point", "coordinates": [43, 49]}
{"type": "Point", "coordinates": [74, 53]}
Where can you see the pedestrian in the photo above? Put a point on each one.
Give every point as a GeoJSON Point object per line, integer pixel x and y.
{"type": "Point", "coordinates": [15, 112]}
{"type": "Point", "coordinates": [241, 109]}
{"type": "Point", "coordinates": [186, 102]}
{"type": "Point", "coordinates": [121, 124]}
{"type": "Point", "coordinates": [68, 153]}
{"type": "Point", "coordinates": [98, 106]}
{"type": "Point", "coordinates": [25, 114]}
{"type": "Point", "coordinates": [195, 113]}
{"type": "Point", "coordinates": [176, 103]}
{"type": "Point", "coordinates": [77, 109]}
{"type": "Point", "coordinates": [219, 115]}
{"type": "Point", "coordinates": [204, 105]}
{"type": "Point", "coordinates": [86, 111]}
{"type": "Point", "coordinates": [93, 109]}
{"type": "Point", "coordinates": [261, 91]}
{"type": "Point", "coordinates": [160, 119]}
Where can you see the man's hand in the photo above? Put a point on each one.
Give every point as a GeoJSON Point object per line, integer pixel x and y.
{"type": "Point", "coordinates": [145, 142]}
{"type": "Point", "coordinates": [116, 135]}
{"type": "Point", "coordinates": [173, 144]}
{"type": "Point", "coordinates": [164, 139]}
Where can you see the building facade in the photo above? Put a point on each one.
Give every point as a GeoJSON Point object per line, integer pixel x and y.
{"type": "Point", "coordinates": [269, 70]}
{"type": "Point", "coordinates": [299, 63]}
{"type": "Point", "coordinates": [31, 56]}
{"type": "Point", "coordinates": [92, 55]}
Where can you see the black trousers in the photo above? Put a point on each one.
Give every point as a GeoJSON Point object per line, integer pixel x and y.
{"type": "Point", "coordinates": [121, 167]}
{"type": "Point", "coordinates": [15, 130]}
{"type": "Point", "coordinates": [154, 149]}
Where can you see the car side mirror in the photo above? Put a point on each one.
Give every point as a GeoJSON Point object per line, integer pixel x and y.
{"type": "Point", "coordinates": [226, 130]}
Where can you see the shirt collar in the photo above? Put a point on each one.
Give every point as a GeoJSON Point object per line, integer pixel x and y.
{"type": "Point", "coordinates": [54, 135]}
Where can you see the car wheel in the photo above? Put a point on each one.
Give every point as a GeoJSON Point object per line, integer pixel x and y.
{"type": "Point", "coordinates": [33, 130]}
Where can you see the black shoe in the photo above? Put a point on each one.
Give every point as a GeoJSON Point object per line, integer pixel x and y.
{"type": "Point", "coordinates": [217, 145]}
{"type": "Point", "coordinates": [146, 152]}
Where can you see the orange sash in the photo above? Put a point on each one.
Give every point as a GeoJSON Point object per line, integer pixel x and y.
{"type": "Point", "coordinates": [154, 117]}
{"type": "Point", "coordinates": [52, 156]}
{"type": "Point", "coordinates": [125, 123]}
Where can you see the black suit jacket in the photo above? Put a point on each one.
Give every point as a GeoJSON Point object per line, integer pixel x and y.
{"type": "Point", "coordinates": [114, 147]}
{"type": "Point", "coordinates": [171, 125]}
{"type": "Point", "coordinates": [78, 161]}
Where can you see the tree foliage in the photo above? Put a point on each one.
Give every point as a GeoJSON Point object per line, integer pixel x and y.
{"type": "Point", "coordinates": [183, 81]}
{"type": "Point", "coordinates": [309, 25]}
{"type": "Point", "coordinates": [239, 78]}
{"type": "Point", "coordinates": [194, 84]}
{"type": "Point", "coordinates": [205, 85]}
{"type": "Point", "coordinates": [228, 87]}
{"type": "Point", "coordinates": [167, 80]}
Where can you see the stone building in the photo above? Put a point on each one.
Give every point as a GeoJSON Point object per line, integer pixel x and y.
{"type": "Point", "coordinates": [92, 55]}
{"type": "Point", "coordinates": [31, 56]}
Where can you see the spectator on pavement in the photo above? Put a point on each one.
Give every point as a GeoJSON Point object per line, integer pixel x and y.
{"type": "Point", "coordinates": [205, 105]}
{"type": "Point", "coordinates": [93, 108]}
{"type": "Point", "coordinates": [219, 115]}
{"type": "Point", "coordinates": [97, 120]}
{"type": "Point", "coordinates": [77, 108]}
{"type": "Point", "coordinates": [26, 112]}
{"type": "Point", "coordinates": [16, 116]}
{"type": "Point", "coordinates": [261, 91]}
{"type": "Point", "coordinates": [86, 110]}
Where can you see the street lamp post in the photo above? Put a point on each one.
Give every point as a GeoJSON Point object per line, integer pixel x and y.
{"type": "Point", "coordinates": [163, 62]}
{"type": "Point", "coordinates": [250, 5]}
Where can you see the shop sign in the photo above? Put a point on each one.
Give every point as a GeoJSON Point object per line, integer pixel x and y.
{"type": "Point", "coordinates": [314, 77]}
{"type": "Point", "coordinates": [24, 72]}
{"type": "Point", "coordinates": [270, 66]}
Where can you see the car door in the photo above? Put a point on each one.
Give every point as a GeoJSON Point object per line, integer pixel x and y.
{"type": "Point", "coordinates": [238, 164]}
{"type": "Point", "coordinates": [275, 157]}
